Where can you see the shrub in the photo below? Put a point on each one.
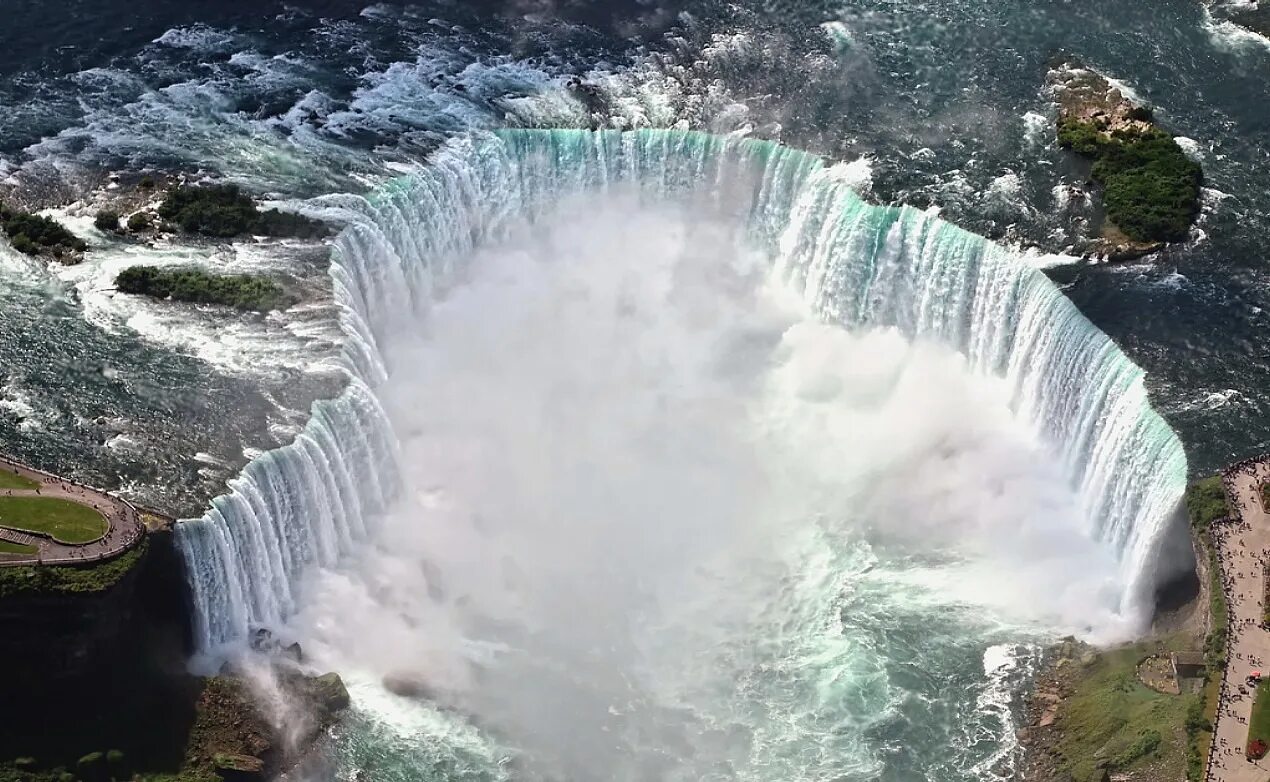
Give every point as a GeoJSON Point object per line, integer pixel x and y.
{"type": "Point", "coordinates": [243, 291]}
{"type": "Point", "coordinates": [117, 763]}
{"type": "Point", "coordinates": [31, 233]}
{"type": "Point", "coordinates": [225, 211]}
{"type": "Point", "coordinates": [139, 221]}
{"type": "Point", "coordinates": [1141, 114]}
{"type": "Point", "coordinates": [1151, 188]}
{"type": "Point", "coordinates": [1081, 137]}
{"type": "Point", "coordinates": [23, 244]}
{"type": "Point", "coordinates": [1147, 742]}
{"type": "Point", "coordinates": [107, 220]}
{"type": "Point", "coordinates": [146, 183]}
{"type": "Point", "coordinates": [92, 767]}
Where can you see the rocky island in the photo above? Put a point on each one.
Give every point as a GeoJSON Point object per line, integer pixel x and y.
{"type": "Point", "coordinates": [1150, 189]}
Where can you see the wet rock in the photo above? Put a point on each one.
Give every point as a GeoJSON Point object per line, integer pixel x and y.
{"type": "Point", "coordinates": [239, 768]}
{"type": "Point", "coordinates": [330, 693]}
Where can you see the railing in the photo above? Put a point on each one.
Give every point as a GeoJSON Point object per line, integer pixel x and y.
{"type": "Point", "coordinates": [1232, 501]}
{"type": "Point", "coordinates": [130, 539]}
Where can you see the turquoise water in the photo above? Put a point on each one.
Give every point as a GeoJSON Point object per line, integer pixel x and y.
{"type": "Point", "coordinates": [658, 485]}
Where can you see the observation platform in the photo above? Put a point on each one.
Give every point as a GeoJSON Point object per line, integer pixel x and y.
{"type": "Point", "coordinates": [1243, 547]}
{"type": "Point", "coordinates": [38, 542]}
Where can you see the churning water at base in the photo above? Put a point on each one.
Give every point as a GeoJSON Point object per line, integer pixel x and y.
{"type": "Point", "coordinates": [613, 489]}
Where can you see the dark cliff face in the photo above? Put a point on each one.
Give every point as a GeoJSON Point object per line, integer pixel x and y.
{"type": "Point", "coordinates": [89, 671]}
{"type": "Point", "coordinates": [57, 639]}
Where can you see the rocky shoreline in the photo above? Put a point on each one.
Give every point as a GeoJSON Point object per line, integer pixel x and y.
{"type": "Point", "coordinates": [1140, 711]}
{"type": "Point", "coordinates": [1055, 682]}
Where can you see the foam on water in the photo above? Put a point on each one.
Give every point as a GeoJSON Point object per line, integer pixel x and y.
{"type": "Point", "coordinates": [1230, 37]}
{"type": "Point", "coordinates": [1067, 389]}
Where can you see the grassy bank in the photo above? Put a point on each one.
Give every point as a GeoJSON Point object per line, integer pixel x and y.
{"type": "Point", "coordinates": [1259, 722]}
{"type": "Point", "coordinates": [11, 480]}
{"type": "Point", "coordinates": [1108, 721]}
{"type": "Point", "coordinates": [1151, 188]}
{"type": "Point", "coordinates": [62, 520]}
{"type": "Point", "coordinates": [15, 548]}
{"type": "Point", "coordinates": [69, 579]}
{"type": "Point", "coordinates": [1111, 720]}
{"type": "Point", "coordinates": [1205, 504]}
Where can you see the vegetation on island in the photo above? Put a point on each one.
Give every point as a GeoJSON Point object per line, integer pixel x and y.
{"type": "Point", "coordinates": [243, 291]}
{"type": "Point", "coordinates": [33, 234]}
{"type": "Point", "coordinates": [224, 211]}
{"type": "Point", "coordinates": [69, 579]}
{"type": "Point", "coordinates": [16, 548]}
{"type": "Point", "coordinates": [1150, 187]}
{"type": "Point", "coordinates": [63, 520]}
{"type": "Point", "coordinates": [138, 221]}
{"type": "Point", "coordinates": [106, 220]}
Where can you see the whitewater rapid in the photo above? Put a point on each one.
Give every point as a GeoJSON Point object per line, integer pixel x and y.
{"type": "Point", "coordinates": [919, 301]}
{"type": "Point", "coordinates": [854, 263]}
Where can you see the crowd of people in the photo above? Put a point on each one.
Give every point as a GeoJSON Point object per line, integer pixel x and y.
{"type": "Point", "coordinates": [124, 527]}
{"type": "Point", "coordinates": [1242, 569]}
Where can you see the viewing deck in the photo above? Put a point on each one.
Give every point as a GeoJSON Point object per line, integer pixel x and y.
{"type": "Point", "coordinates": [1243, 543]}
{"type": "Point", "coordinates": [28, 545]}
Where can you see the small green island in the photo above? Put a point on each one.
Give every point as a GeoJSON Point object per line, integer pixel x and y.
{"type": "Point", "coordinates": [32, 234]}
{"type": "Point", "coordinates": [224, 211]}
{"type": "Point", "coordinates": [241, 291]}
{"type": "Point", "coordinates": [1150, 188]}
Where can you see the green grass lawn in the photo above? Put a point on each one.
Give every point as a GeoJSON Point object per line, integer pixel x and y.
{"type": "Point", "coordinates": [1114, 717]}
{"type": "Point", "coordinates": [66, 521]}
{"type": "Point", "coordinates": [15, 548]}
{"type": "Point", "coordinates": [11, 480]}
{"type": "Point", "coordinates": [1259, 723]}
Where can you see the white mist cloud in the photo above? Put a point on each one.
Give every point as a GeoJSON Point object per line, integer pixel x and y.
{"type": "Point", "coordinates": [645, 491]}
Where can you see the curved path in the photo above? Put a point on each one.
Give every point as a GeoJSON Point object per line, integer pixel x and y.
{"type": "Point", "coordinates": [1242, 544]}
{"type": "Point", "coordinates": [126, 528]}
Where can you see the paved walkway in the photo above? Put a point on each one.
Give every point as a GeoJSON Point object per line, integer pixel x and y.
{"type": "Point", "coordinates": [125, 525]}
{"type": "Point", "coordinates": [1242, 544]}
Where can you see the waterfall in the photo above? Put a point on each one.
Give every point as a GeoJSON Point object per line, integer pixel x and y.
{"type": "Point", "coordinates": [853, 263]}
